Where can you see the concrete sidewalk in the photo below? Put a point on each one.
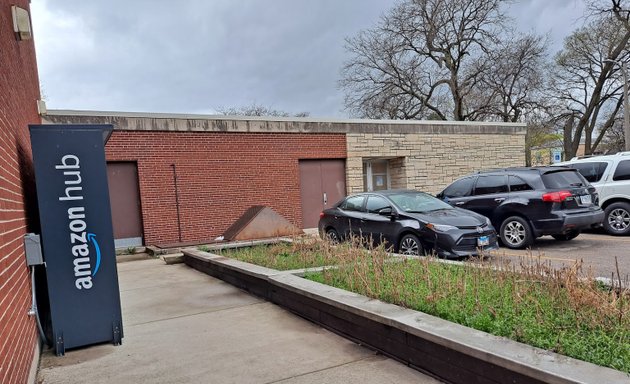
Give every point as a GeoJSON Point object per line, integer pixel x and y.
{"type": "Point", "coordinates": [182, 326]}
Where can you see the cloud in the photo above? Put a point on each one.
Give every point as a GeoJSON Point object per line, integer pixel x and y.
{"type": "Point", "coordinates": [557, 18]}
{"type": "Point", "coordinates": [193, 56]}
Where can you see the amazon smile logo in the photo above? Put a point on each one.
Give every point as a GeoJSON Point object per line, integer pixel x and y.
{"type": "Point", "coordinates": [97, 249]}
{"type": "Point", "coordinates": [84, 246]}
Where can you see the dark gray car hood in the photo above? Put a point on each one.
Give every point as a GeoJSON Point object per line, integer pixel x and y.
{"type": "Point", "coordinates": [455, 216]}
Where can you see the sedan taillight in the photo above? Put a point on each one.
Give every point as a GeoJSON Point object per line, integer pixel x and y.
{"type": "Point", "coordinates": [556, 197]}
{"type": "Point", "coordinates": [321, 214]}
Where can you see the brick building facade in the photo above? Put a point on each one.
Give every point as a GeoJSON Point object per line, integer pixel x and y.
{"type": "Point", "coordinates": [19, 92]}
{"type": "Point", "coordinates": [219, 176]}
{"type": "Point", "coordinates": [197, 174]}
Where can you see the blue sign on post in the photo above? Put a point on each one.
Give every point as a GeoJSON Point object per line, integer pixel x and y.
{"type": "Point", "coordinates": [556, 156]}
{"type": "Point", "coordinates": [77, 235]}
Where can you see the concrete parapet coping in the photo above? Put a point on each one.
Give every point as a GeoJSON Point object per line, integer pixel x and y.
{"type": "Point", "coordinates": [396, 330]}
{"type": "Point", "coordinates": [143, 121]}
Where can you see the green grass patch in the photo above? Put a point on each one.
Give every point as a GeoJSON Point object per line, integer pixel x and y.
{"type": "Point", "coordinates": [284, 256]}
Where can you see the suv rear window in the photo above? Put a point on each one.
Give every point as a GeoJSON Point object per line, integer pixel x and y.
{"type": "Point", "coordinates": [491, 184]}
{"type": "Point", "coordinates": [517, 184]}
{"type": "Point", "coordinates": [563, 179]}
{"type": "Point", "coordinates": [592, 170]}
{"type": "Point", "coordinates": [623, 171]}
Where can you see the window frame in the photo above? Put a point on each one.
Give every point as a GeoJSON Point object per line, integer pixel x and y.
{"type": "Point", "coordinates": [602, 175]}
{"type": "Point", "coordinates": [361, 209]}
{"type": "Point", "coordinates": [509, 185]}
{"type": "Point", "coordinates": [505, 183]}
{"type": "Point", "coordinates": [617, 168]}
{"type": "Point", "coordinates": [472, 186]}
{"type": "Point", "coordinates": [368, 175]}
{"type": "Point", "coordinates": [367, 200]}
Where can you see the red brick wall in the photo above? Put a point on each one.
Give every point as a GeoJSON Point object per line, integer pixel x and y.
{"type": "Point", "coordinates": [219, 176]}
{"type": "Point", "coordinates": [19, 91]}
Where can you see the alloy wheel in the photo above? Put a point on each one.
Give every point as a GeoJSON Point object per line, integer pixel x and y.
{"type": "Point", "coordinates": [332, 236]}
{"type": "Point", "coordinates": [619, 219]}
{"type": "Point", "coordinates": [409, 246]}
{"type": "Point", "coordinates": [514, 233]}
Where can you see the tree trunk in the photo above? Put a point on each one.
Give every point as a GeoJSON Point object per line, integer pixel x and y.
{"type": "Point", "coordinates": [569, 151]}
{"type": "Point", "coordinates": [528, 147]}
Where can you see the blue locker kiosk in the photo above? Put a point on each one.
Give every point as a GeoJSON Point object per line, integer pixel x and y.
{"type": "Point", "coordinates": [77, 236]}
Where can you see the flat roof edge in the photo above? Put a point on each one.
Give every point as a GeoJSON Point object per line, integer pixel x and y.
{"type": "Point", "coordinates": [184, 116]}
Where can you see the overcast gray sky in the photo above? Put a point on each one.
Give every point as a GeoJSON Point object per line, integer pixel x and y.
{"type": "Point", "coordinates": [194, 56]}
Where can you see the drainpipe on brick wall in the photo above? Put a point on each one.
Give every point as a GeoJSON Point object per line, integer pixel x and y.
{"type": "Point", "coordinates": [179, 224]}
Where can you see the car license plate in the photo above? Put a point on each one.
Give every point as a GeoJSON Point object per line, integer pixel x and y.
{"type": "Point", "coordinates": [483, 240]}
{"type": "Point", "coordinates": [586, 199]}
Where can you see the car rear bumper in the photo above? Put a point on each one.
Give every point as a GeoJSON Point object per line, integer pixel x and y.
{"type": "Point", "coordinates": [567, 222]}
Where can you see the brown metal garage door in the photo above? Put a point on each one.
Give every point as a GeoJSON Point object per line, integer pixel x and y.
{"type": "Point", "coordinates": [124, 195]}
{"type": "Point", "coordinates": [322, 184]}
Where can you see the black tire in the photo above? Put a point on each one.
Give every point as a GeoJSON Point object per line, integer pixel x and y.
{"type": "Point", "coordinates": [617, 219]}
{"type": "Point", "coordinates": [333, 236]}
{"type": "Point", "coordinates": [410, 245]}
{"type": "Point", "coordinates": [566, 236]}
{"type": "Point", "coordinates": [515, 233]}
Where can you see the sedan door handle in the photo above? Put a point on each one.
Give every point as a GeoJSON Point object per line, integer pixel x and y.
{"type": "Point", "coordinates": [459, 203]}
{"type": "Point", "coordinates": [499, 199]}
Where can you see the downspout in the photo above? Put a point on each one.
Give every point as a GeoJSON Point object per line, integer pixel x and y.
{"type": "Point", "coordinates": [179, 224]}
{"type": "Point", "coordinates": [33, 311]}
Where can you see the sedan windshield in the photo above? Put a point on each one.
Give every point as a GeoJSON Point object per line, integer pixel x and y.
{"type": "Point", "coordinates": [418, 202]}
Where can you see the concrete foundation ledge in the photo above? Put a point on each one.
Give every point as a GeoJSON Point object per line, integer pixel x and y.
{"type": "Point", "coordinates": [173, 258]}
{"type": "Point", "coordinates": [451, 352]}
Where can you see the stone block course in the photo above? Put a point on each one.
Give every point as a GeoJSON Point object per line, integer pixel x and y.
{"type": "Point", "coordinates": [433, 160]}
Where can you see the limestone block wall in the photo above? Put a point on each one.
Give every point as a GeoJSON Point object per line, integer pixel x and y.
{"type": "Point", "coordinates": [398, 172]}
{"type": "Point", "coordinates": [431, 161]}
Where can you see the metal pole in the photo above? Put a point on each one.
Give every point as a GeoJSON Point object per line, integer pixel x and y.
{"type": "Point", "coordinates": [179, 223]}
{"type": "Point", "coordinates": [626, 108]}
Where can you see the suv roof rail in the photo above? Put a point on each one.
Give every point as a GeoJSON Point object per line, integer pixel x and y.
{"type": "Point", "coordinates": [621, 153]}
{"type": "Point", "coordinates": [523, 168]}
{"type": "Point", "coordinates": [581, 157]}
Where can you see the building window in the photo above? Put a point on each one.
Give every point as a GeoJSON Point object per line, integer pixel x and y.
{"type": "Point", "coordinates": [376, 175]}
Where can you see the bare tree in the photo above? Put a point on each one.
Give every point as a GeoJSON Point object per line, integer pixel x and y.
{"type": "Point", "coordinates": [258, 110]}
{"type": "Point", "coordinates": [586, 82]}
{"type": "Point", "coordinates": [512, 79]}
{"type": "Point", "coordinates": [614, 140]}
{"type": "Point", "coordinates": [617, 9]}
{"type": "Point", "coordinates": [441, 59]}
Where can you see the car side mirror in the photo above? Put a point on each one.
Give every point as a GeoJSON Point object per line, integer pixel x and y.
{"type": "Point", "coordinates": [387, 211]}
{"type": "Point", "coordinates": [440, 196]}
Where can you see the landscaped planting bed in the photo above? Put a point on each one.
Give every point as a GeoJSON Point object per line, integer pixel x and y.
{"type": "Point", "coordinates": [555, 309]}
{"type": "Point", "coordinates": [286, 256]}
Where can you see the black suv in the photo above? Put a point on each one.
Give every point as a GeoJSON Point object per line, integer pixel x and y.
{"type": "Point", "coordinates": [526, 203]}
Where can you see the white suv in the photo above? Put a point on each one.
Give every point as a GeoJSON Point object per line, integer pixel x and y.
{"type": "Point", "coordinates": [610, 174]}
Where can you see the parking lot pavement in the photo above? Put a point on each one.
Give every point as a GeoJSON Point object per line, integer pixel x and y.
{"type": "Point", "coordinates": [597, 251]}
{"type": "Point", "coordinates": [182, 326]}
